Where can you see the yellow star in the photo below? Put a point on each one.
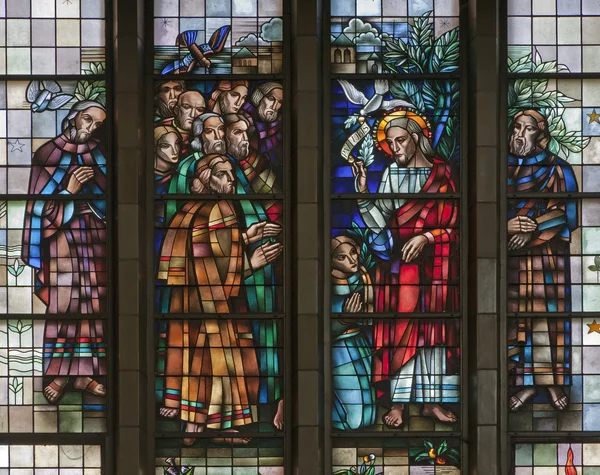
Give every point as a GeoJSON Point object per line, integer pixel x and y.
{"type": "Point", "coordinates": [594, 117]}
{"type": "Point", "coordinates": [594, 327]}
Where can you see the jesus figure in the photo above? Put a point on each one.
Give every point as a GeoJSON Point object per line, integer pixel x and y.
{"type": "Point", "coordinates": [415, 360]}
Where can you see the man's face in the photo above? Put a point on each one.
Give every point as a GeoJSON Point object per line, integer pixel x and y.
{"type": "Point", "coordinates": [213, 136]}
{"type": "Point", "coordinates": [402, 144]}
{"type": "Point", "coordinates": [168, 148]}
{"type": "Point", "coordinates": [269, 106]}
{"type": "Point", "coordinates": [222, 179]}
{"type": "Point", "coordinates": [189, 106]}
{"type": "Point", "coordinates": [238, 145]}
{"type": "Point", "coordinates": [232, 101]}
{"type": "Point", "coordinates": [86, 122]}
{"type": "Point", "coordinates": [169, 92]}
{"type": "Point", "coordinates": [524, 136]}
{"type": "Point", "coordinates": [345, 259]}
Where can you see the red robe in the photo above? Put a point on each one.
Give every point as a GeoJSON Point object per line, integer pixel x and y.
{"type": "Point", "coordinates": [427, 284]}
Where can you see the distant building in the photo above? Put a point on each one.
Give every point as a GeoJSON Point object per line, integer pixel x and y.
{"type": "Point", "coordinates": [370, 63]}
{"type": "Point", "coordinates": [343, 55]}
{"type": "Point", "coordinates": [244, 61]}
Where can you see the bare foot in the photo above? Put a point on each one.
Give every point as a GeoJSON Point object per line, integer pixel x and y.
{"type": "Point", "coordinates": [518, 400]}
{"type": "Point", "coordinates": [84, 383]}
{"type": "Point", "coordinates": [232, 441]}
{"type": "Point", "coordinates": [278, 419]}
{"type": "Point", "coordinates": [55, 389]}
{"type": "Point", "coordinates": [559, 398]}
{"type": "Point", "coordinates": [192, 427]}
{"type": "Point", "coordinates": [393, 418]}
{"type": "Point", "coordinates": [435, 410]}
{"type": "Point", "coordinates": [168, 412]}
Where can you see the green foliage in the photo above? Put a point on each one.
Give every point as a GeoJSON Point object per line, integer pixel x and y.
{"type": "Point", "coordinates": [423, 53]}
{"type": "Point", "coordinates": [19, 328]}
{"type": "Point", "coordinates": [361, 236]}
{"type": "Point", "coordinates": [367, 467]}
{"type": "Point", "coordinates": [365, 153]}
{"type": "Point", "coordinates": [15, 386]}
{"type": "Point", "coordinates": [350, 121]}
{"type": "Point", "coordinates": [430, 455]}
{"type": "Point", "coordinates": [534, 94]}
{"type": "Point", "coordinates": [596, 267]}
{"type": "Point", "coordinates": [16, 269]}
{"type": "Point", "coordinates": [92, 90]}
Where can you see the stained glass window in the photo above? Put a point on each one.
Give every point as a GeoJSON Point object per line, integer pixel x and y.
{"type": "Point", "coordinates": [54, 220]}
{"type": "Point", "coordinates": [553, 289]}
{"type": "Point", "coordinates": [219, 236]}
{"type": "Point", "coordinates": [395, 224]}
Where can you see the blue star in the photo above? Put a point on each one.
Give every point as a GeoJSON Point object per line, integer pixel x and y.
{"type": "Point", "coordinates": [17, 146]}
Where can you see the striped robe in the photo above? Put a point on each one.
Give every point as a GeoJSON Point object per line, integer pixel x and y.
{"type": "Point", "coordinates": [65, 242]}
{"type": "Point", "coordinates": [211, 364]}
{"type": "Point", "coordinates": [539, 274]}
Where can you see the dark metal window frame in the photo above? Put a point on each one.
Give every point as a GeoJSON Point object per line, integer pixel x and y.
{"type": "Point", "coordinates": [103, 439]}
{"type": "Point", "coordinates": [507, 437]}
{"type": "Point", "coordinates": [461, 76]}
{"type": "Point", "coordinates": [285, 317]}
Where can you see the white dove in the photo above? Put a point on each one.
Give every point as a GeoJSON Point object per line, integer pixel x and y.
{"type": "Point", "coordinates": [376, 102]}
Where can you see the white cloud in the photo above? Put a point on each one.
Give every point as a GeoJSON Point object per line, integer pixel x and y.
{"type": "Point", "coordinates": [356, 27]}
{"type": "Point", "coordinates": [251, 40]}
{"type": "Point", "coordinates": [367, 39]}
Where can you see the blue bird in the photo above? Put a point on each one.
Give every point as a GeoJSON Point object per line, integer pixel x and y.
{"type": "Point", "coordinates": [46, 95]}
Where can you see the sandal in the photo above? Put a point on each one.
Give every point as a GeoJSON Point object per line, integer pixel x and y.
{"type": "Point", "coordinates": [58, 390]}
{"type": "Point", "coordinates": [91, 388]}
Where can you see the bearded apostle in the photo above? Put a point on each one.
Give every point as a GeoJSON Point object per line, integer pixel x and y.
{"type": "Point", "coordinates": [415, 359]}
{"type": "Point", "coordinates": [64, 240]}
{"type": "Point", "coordinates": [212, 370]}
{"type": "Point", "coordinates": [539, 275]}
{"type": "Point", "coordinates": [264, 114]}
{"type": "Point", "coordinates": [165, 99]}
{"type": "Point", "coordinates": [354, 401]}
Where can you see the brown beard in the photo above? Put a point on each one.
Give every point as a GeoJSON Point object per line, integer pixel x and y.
{"type": "Point", "coordinates": [78, 137]}
{"type": "Point", "coordinates": [163, 110]}
{"type": "Point", "coordinates": [239, 151]}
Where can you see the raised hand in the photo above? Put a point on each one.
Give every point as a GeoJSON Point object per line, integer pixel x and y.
{"type": "Point", "coordinates": [519, 240]}
{"type": "Point", "coordinates": [261, 230]}
{"type": "Point", "coordinates": [78, 178]}
{"type": "Point", "coordinates": [352, 304]}
{"type": "Point", "coordinates": [359, 170]}
{"type": "Point", "coordinates": [521, 224]}
{"type": "Point", "coordinates": [265, 254]}
{"type": "Point", "coordinates": [413, 248]}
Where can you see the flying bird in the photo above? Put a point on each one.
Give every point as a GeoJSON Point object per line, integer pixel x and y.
{"type": "Point", "coordinates": [375, 103]}
{"type": "Point", "coordinates": [46, 95]}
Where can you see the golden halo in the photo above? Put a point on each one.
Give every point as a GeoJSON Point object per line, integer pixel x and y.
{"type": "Point", "coordinates": [397, 114]}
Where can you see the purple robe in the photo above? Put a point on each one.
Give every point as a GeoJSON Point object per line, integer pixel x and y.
{"type": "Point", "coordinates": [64, 240]}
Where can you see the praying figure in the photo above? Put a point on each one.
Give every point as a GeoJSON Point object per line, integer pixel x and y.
{"type": "Point", "coordinates": [539, 265]}
{"type": "Point", "coordinates": [354, 399]}
{"type": "Point", "coordinates": [415, 359]}
{"type": "Point", "coordinates": [64, 240]}
{"type": "Point", "coordinates": [212, 370]}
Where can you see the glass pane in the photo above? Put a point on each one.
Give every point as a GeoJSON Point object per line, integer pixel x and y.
{"type": "Point", "coordinates": [394, 36]}
{"type": "Point", "coordinates": [53, 256]}
{"type": "Point", "coordinates": [416, 456]}
{"type": "Point", "coordinates": [41, 124]}
{"type": "Point", "coordinates": [257, 456]}
{"type": "Point", "coordinates": [398, 255]}
{"type": "Point", "coordinates": [394, 374]}
{"type": "Point", "coordinates": [219, 375]}
{"type": "Point", "coordinates": [405, 135]}
{"type": "Point", "coordinates": [553, 36]}
{"type": "Point", "coordinates": [52, 376]}
{"type": "Point", "coordinates": [218, 37]}
{"type": "Point", "coordinates": [218, 255]}
{"type": "Point", "coordinates": [242, 120]}
{"type": "Point", "coordinates": [556, 458]}
{"type": "Point", "coordinates": [51, 459]}
{"type": "Point", "coordinates": [48, 37]}
{"type": "Point", "coordinates": [554, 375]}
{"type": "Point", "coordinates": [554, 140]}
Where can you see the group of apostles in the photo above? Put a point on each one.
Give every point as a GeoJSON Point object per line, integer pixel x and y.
{"type": "Point", "coordinates": [216, 254]}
